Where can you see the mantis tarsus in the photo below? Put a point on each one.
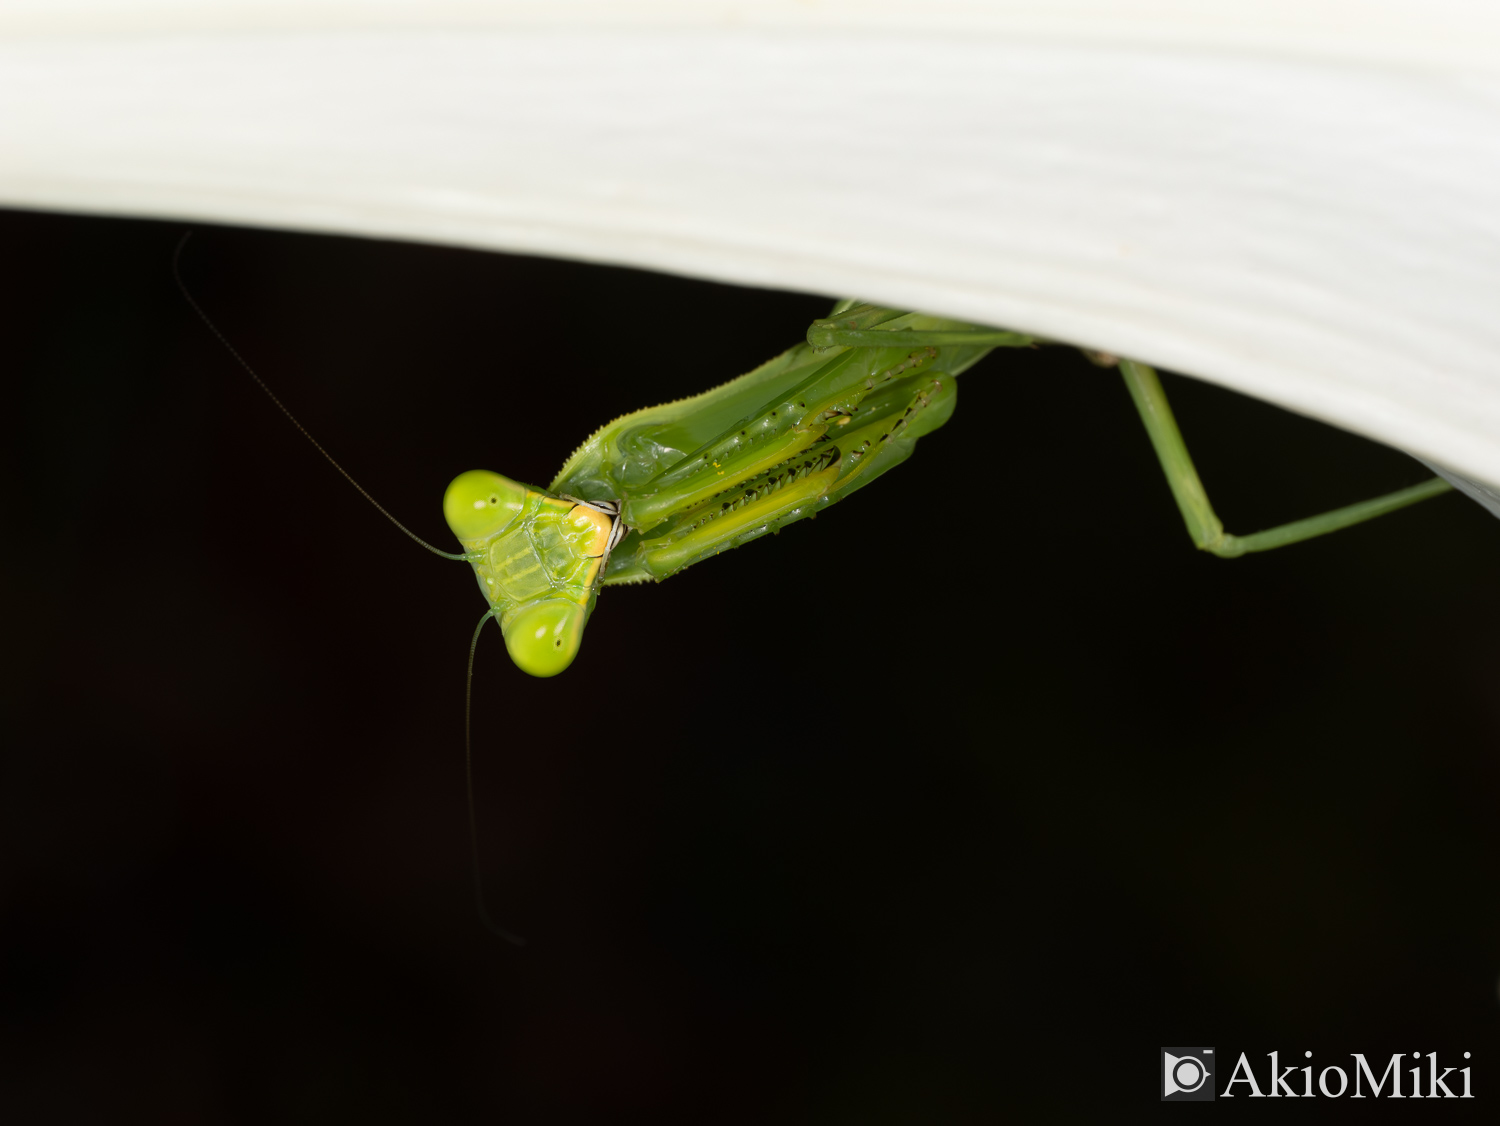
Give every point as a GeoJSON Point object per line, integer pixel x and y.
{"type": "Point", "coordinates": [662, 488]}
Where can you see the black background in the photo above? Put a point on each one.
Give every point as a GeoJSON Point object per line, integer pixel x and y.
{"type": "Point", "coordinates": [948, 807]}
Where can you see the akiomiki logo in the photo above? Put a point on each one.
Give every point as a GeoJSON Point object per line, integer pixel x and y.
{"type": "Point", "coordinates": [1192, 1075]}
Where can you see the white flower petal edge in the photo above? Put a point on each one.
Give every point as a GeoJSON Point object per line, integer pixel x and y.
{"type": "Point", "coordinates": [1298, 201]}
{"type": "Point", "coordinates": [1476, 491]}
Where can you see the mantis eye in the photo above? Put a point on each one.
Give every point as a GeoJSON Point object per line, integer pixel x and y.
{"type": "Point", "coordinates": [480, 503]}
{"type": "Point", "coordinates": [543, 638]}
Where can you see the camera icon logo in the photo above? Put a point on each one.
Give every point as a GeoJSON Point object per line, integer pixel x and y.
{"type": "Point", "coordinates": [1186, 1074]}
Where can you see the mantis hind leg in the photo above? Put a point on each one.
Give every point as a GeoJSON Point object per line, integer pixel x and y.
{"type": "Point", "coordinates": [1202, 522]}
{"type": "Point", "coordinates": [853, 325]}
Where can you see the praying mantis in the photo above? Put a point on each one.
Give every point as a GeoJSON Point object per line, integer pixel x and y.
{"type": "Point", "coordinates": [665, 487]}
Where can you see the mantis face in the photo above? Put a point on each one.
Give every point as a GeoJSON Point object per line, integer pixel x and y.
{"type": "Point", "coordinates": [538, 559]}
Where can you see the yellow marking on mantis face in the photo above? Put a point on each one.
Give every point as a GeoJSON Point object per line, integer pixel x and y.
{"type": "Point", "coordinates": [537, 558]}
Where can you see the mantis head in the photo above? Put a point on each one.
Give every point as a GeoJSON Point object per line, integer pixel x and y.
{"type": "Point", "coordinates": [538, 559]}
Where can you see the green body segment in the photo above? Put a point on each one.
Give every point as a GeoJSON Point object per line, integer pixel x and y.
{"type": "Point", "coordinates": [537, 558]}
{"type": "Point", "coordinates": [707, 474]}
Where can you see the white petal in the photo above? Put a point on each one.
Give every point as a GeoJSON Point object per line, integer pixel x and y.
{"type": "Point", "coordinates": [1298, 200]}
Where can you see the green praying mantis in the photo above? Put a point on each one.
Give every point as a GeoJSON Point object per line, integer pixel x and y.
{"type": "Point", "coordinates": [665, 487]}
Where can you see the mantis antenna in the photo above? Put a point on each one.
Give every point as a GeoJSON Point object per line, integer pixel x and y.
{"type": "Point", "coordinates": [484, 914]}
{"type": "Point", "coordinates": [261, 383]}
{"type": "Point", "coordinates": [187, 296]}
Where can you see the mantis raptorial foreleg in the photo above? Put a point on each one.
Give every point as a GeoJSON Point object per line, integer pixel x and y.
{"type": "Point", "coordinates": [844, 415]}
{"type": "Point", "coordinates": [1203, 524]}
{"type": "Point", "coordinates": [710, 522]}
